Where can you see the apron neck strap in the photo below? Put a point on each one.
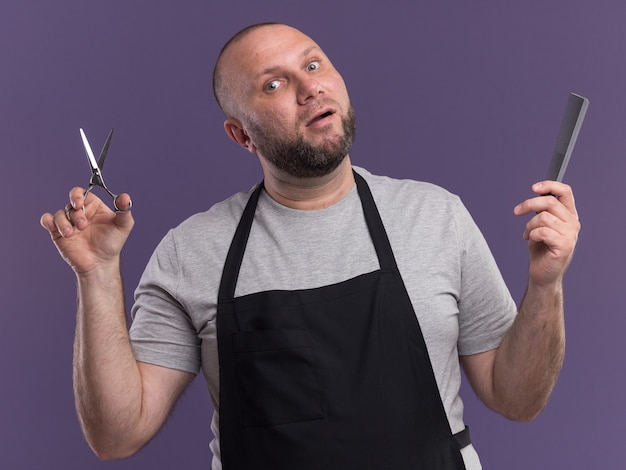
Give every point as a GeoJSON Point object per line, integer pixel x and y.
{"type": "Point", "coordinates": [236, 251]}
{"type": "Point", "coordinates": [375, 224]}
{"type": "Point", "coordinates": [237, 248]}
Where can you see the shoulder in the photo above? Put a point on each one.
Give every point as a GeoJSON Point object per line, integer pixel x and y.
{"type": "Point", "coordinates": [388, 186]}
{"type": "Point", "coordinates": [220, 218]}
{"type": "Point", "coordinates": [399, 195]}
{"type": "Point", "coordinates": [205, 235]}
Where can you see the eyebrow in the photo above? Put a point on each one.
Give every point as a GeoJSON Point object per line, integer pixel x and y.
{"type": "Point", "coordinates": [274, 69]}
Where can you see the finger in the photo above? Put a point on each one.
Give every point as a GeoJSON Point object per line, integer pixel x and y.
{"type": "Point", "coordinates": [57, 224]}
{"type": "Point", "coordinates": [559, 244]}
{"type": "Point", "coordinates": [562, 191]}
{"type": "Point", "coordinates": [545, 219]}
{"type": "Point", "coordinates": [47, 222]}
{"type": "Point", "coordinates": [536, 205]}
{"type": "Point", "coordinates": [77, 214]}
{"type": "Point", "coordinates": [559, 237]}
{"type": "Point", "coordinates": [540, 204]}
{"type": "Point", "coordinates": [85, 207]}
{"type": "Point", "coordinates": [557, 206]}
{"type": "Point", "coordinates": [77, 197]}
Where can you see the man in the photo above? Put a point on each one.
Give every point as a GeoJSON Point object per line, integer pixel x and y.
{"type": "Point", "coordinates": [329, 308]}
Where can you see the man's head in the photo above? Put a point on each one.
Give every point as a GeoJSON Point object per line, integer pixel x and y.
{"type": "Point", "coordinates": [284, 100]}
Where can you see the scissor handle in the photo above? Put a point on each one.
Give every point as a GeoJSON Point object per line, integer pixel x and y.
{"type": "Point", "coordinates": [117, 209]}
{"type": "Point", "coordinates": [110, 193]}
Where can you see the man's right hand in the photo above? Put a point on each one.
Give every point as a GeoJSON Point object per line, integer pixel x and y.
{"type": "Point", "coordinates": [89, 233]}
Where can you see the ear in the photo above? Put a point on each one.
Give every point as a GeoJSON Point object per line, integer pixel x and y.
{"type": "Point", "coordinates": [235, 131]}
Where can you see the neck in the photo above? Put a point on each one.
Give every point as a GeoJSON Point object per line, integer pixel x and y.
{"type": "Point", "coordinates": [309, 193]}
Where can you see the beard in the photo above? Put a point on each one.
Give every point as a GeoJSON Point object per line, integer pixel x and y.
{"type": "Point", "coordinates": [301, 159]}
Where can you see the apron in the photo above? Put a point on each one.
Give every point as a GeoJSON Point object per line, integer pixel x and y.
{"type": "Point", "coordinates": [335, 377]}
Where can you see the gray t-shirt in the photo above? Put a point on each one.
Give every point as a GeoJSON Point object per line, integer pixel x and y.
{"type": "Point", "coordinates": [460, 299]}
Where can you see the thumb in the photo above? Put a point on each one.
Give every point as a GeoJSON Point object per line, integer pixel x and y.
{"type": "Point", "coordinates": [123, 205]}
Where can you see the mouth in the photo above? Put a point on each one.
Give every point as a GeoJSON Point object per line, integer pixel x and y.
{"type": "Point", "coordinates": [318, 118]}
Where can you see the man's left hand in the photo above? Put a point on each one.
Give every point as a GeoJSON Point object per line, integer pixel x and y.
{"type": "Point", "coordinates": [552, 233]}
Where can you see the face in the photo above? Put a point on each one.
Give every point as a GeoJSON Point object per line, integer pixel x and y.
{"type": "Point", "coordinates": [291, 104]}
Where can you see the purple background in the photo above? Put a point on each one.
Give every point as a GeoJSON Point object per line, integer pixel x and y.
{"type": "Point", "coordinates": [468, 95]}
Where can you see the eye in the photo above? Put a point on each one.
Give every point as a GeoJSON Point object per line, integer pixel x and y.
{"type": "Point", "coordinates": [312, 66]}
{"type": "Point", "coordinates": [272, 85]}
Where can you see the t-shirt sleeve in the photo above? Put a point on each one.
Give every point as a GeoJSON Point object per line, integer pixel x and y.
{"type": "Point", "coordinates": [161, 331]}
{"type": "Point", "coordinates": [486, 308]}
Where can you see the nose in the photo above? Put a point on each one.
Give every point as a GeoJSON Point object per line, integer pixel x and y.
{"type": "Point", "coordinates": [308, 89]}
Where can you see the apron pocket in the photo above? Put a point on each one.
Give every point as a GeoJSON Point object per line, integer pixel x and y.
{"type": "Point", "coordinates": [277, 377]}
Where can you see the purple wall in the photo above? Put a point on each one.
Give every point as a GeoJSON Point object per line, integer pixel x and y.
{"type": "Point", "coordinates": [468, 95]}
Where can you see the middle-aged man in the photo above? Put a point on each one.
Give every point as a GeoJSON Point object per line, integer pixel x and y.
{"type": "Point", "coordinates": [330, 309]}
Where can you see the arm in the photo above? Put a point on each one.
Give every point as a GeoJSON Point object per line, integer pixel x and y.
{"type": "Point", "coordinates": [517, 378]}
{"type": "Point", "coordinates": [121, 403]}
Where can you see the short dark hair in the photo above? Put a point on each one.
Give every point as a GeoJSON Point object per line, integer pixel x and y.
{"type": "Point", "coordinates": [218, 85]}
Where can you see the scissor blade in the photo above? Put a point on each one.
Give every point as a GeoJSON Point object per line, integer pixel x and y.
{"type": "Point", "coordinates": [92, 159]}
{"type": "Point", "coordinates": [105, 149]}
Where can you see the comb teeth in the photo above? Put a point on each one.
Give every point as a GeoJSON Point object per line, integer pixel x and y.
{"type": "Point", "coordinates": [571, 123]}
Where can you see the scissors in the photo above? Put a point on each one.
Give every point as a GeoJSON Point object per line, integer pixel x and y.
{"type": "Point", "coordinates": [96, 168]}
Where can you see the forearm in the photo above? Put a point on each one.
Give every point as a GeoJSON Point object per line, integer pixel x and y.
{"type": "Point", "coordinates": [107, 382]}
{"type": "Point", "coordinates": [517, 378]}
{"type": "Point", "coordinates": [530, 358]}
